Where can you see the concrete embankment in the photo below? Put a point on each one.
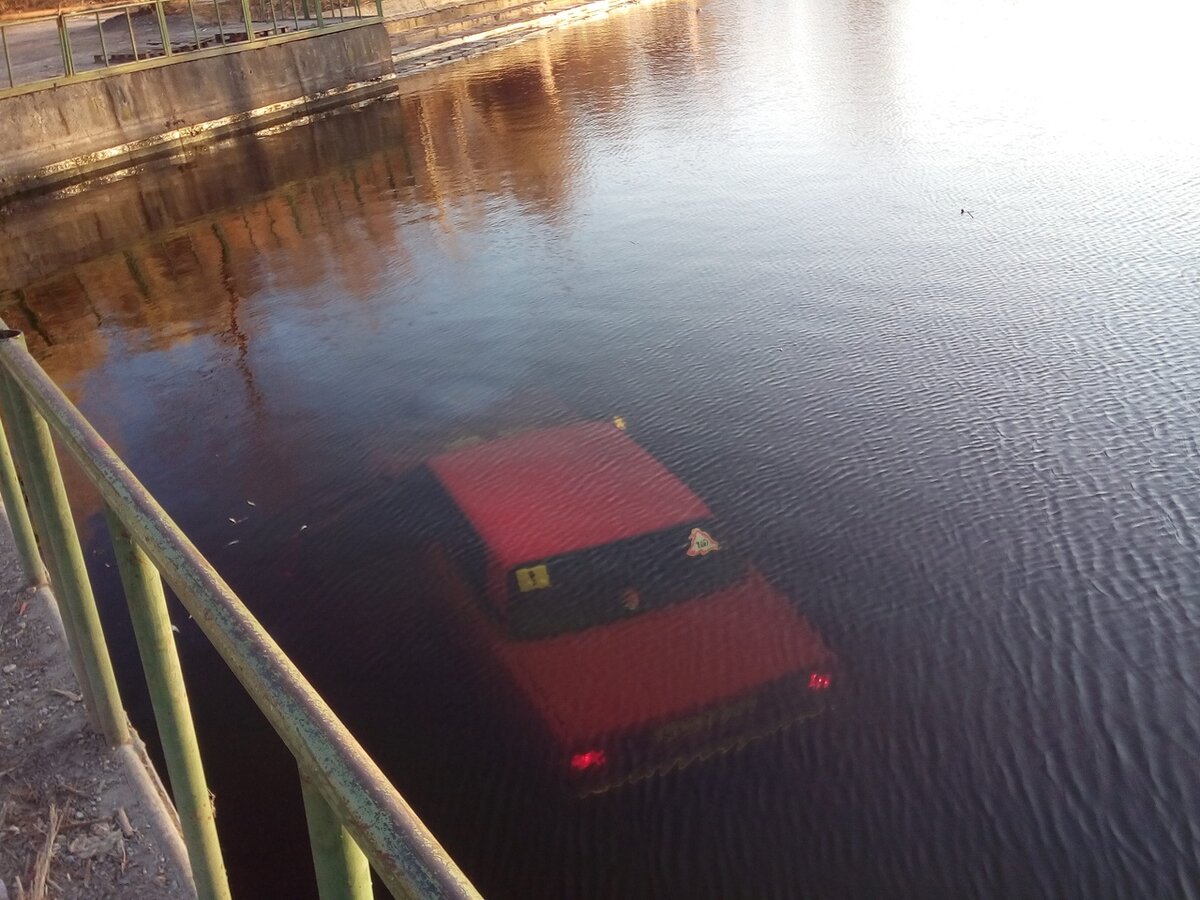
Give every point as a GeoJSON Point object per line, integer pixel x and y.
{"type": "Point", "coordinates": [78, 129]}
{"type": "Point", "coordinates": [85, 819]}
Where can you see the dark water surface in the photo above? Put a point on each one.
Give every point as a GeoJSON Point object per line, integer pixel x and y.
{"type": "Point", "coordinates": [964, 445]}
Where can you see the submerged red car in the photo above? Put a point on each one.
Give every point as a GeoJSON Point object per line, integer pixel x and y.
{"type": "Point", "coordinates": [616, 609]}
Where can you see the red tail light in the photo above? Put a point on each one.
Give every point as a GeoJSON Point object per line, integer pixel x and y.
{"type": "Point", "coordinates": [819, 681]}
{"type": "Point", "coordinates": [589, 759]}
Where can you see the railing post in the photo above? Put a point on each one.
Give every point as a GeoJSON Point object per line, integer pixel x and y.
{"type": "Point", "coordinates": [379, 8]}
{"type": "Point", "coordinates": [172, 714]}
{"type": "Point", "coordinates": [220, 24]}
{"type": "Point", "coordinates": [132, 36]}
{"type": "Point", "coordinates": [18, 517]}
{"type": "Point", "coordinates": [161, 15]}
{"type": "Point", "coordinates": [68, 572]}
{"type": "Point", "coordinates": [7, 58]}
{"type": "Point", "coordinates": [195, 30]}
{"type": "Point", "coordinates": [248, 19]}
{"type": "Point", "coordinates": [320, 13]}
{"type": "Point", "coordinates": [36, 507]}
{"type": "Point", "coordinates": [342, 870]}
{"type": "Point", "coordinates": [64, 40]}
{"type": "Point", "coordinates": [103, 42]}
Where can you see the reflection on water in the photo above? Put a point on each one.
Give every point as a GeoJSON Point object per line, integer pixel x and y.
{"type": "Point", "coordinates": [963, 446]}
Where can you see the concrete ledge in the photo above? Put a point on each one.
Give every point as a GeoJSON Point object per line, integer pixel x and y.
{"type": "Point", "coordinates": [159, 61]}
{"type": "Point", "coordinates": [156, 805]}
{"type": "Point", "coordinates": [142, 779]}
{"type": "Point", "coordinates": [72, 131]}
{"type": "Point", "coordinates": [52, 758]}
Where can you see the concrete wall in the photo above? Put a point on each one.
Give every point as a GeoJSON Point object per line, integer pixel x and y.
{"type": "Point", "coordinates": [63, 133]}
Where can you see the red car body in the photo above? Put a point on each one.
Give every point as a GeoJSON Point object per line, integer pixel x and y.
{"type": "Point", "coordinates": [615, 608]}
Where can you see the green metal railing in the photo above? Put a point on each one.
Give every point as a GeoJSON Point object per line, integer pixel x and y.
{"type": "Point", "coordinates": [128, 36]}
{"type": "Point", "coordinates": [356, 819]}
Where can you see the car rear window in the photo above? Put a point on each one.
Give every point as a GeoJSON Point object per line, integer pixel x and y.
{"type": "Point", "coordinates": [618, 580]}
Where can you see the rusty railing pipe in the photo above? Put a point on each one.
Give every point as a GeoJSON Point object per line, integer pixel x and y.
{"type": "Point", "coordinates": [172, 713]}
{"type": "Point", "coordinates": [18, 518]}
{"type": "Point", "coordinates": [341, 868]}
{"type": "Point", "coordinates": [400, 848]}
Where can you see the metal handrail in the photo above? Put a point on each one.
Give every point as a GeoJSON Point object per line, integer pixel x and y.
{"type": "Point", "coordinates": [89, 11]}
{"type": "Point", "coordinates": [251, 31]}
{"type": "Point", "coordinates": [355, 816]}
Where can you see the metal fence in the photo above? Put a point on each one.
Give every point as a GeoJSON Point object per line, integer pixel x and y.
{"type": "Point", "coordinates": [356, 819]}
{"type": "Point", "coordinates": [132, 35]}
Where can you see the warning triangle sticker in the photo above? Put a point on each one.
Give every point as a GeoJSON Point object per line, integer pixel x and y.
{"type": "Point", "coordinates": [701, 543]}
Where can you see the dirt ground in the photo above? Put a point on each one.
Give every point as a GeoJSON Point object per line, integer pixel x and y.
{"type": "Point", "coordinates": [72, 826]}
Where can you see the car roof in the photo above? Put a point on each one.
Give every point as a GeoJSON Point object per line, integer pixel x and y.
{"type": "Point", "coordinates": [552, 491]}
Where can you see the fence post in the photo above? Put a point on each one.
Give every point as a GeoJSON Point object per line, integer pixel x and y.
{"type": "Point", "coordinates": [18, 517]}
{"type": "Point", "coordinates": [195, 30]}
{"type": "Point", "coordinates": [64, 41]}
{"type": "Point", "coordinates": [132, 36]}
{"type": "Point", "coordinates": [342, 870]}
{"type": "Point", "coordinates": [103, 42]}
{"type": "Point", "coordinates": [248, 19]}
{"type": "Point", "coordinates": [7, 58]}
{"type": "Point", "coordinates": [172, 714]}
{"type": "Point", "coordinates": [36, 509]}
{"type": "Point", "coordinates": [220, 24]}
{"type": "Point", "coordinates": [68, 572]}
{"type": "Point", "coordinates": [161, 15]}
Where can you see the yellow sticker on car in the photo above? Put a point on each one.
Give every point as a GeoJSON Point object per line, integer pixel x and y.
{"type": "Point", "coordinates": [533, 578]}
